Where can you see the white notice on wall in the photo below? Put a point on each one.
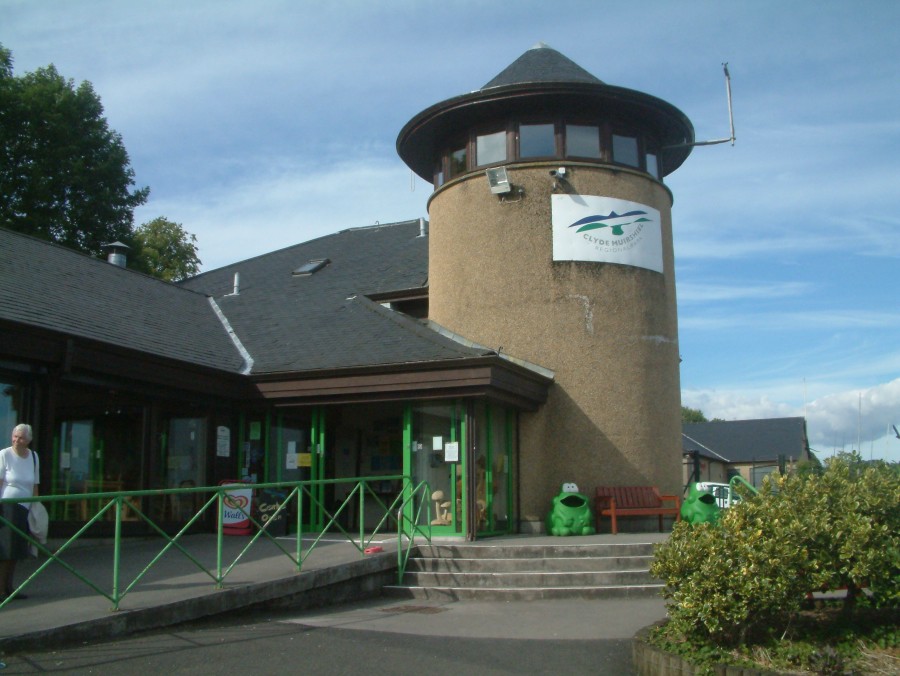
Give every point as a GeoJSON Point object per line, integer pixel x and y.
{"type": "Point", "coordinates": [437, 443]}
{"type": "Point", "coordinates": [290, 461]}
{"type": "Point", "coordinates": [606, 230]}
{"type": "Point", "coordinates": [451, 451]}
{"type": "Point", "coordinates": [223, 441]}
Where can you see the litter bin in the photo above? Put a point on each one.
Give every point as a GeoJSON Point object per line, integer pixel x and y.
{"type": "Point", "coordinates": [700, 507]}
{"type": "Point", "coordinates": [571, 513]}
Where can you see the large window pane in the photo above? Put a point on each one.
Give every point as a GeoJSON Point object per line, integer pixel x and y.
{"type": "Point", "coordinates": [536, 140]}
{"type": "Point", "coordinates": [185, 466]}
{"type": "Point", "coordinates": [652, 165]}
{"type": "Point", "coordinates": [582, 141]}
{"type": "Point", "coordinates": [457, 162]}
{"type": "Point", "coordinates": [490, 148]}
{"type": "Point", "coordinates": [625, 150]}
{"type": "Point", "coordinates": [10, 398]}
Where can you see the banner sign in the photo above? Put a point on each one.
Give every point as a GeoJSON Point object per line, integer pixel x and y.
{"type": "Point", "coordinates": [237, 503]}
{"type": "Point", "coordinates": [606, 230]}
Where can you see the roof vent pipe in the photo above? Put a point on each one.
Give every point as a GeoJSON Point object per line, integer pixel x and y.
{"type": "Point", "coordinates": [422, 228]}
{"type": "Point", "coordinates": [115, 254]}
{"type": "Point", "coordinates": [237, 284]}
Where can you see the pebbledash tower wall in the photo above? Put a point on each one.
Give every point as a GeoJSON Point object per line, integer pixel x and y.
{"type": "Point", "coordinates": [571, 268]}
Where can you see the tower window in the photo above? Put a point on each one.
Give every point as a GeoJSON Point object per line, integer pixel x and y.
{"type": "Point", "coordinates": [537, 140]}
{"type": "Point", "coordinates": [625, 150]}
{"type": "Point", "coordinates": [457, 162]}
{"type": "Point", "coordinates": [490, 148]}
{"type": "Point", "coordinates": [653, 165]}
{"type": "Point", "coordinates": [548, 139]}
{"type": "Point", "coordinates": [582, 141]}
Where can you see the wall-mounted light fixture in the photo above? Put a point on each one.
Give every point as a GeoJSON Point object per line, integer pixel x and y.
{"type": "Point", "coordinates": [498, 180]}
{"type": "Point", "coordinates": [559, 177]}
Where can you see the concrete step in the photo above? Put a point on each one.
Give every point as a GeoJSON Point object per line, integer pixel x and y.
{"type": "Point", "coordinates": [532, 564]}
{"type": "Point", "coordinates": [529, 580]}
{"type": "Point", "coordinates": [520, 594]}
{"type": "Point", "coordinates": [475, 551]}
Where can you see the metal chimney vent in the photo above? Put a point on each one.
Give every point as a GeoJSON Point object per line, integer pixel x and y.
{"type": "Point", "coordinates": [116, 254]}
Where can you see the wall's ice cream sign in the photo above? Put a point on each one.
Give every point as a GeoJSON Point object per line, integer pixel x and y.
{"type": "Point", "coordinates": [606, 230]}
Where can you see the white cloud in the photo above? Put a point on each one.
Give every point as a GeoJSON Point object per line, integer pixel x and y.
{"type": "Point", "coordinates": [696, 292]}
{"type": "Point", "coordinates": [805, 320]}
{"type": "Point", "coordinates": [268, 207]}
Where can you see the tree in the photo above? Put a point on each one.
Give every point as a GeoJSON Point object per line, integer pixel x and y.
{"type": "Point", "coordinates": [64, 174]}
{"type": "Point", "coordinates": [692, 415]}
{"type": "Point", "coordinates": [165, 250]}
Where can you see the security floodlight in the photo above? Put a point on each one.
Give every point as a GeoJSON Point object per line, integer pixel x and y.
{"type": "Point", "coordinates": [498, 180]}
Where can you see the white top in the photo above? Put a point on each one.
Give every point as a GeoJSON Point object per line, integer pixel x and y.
{"type": "Point", "coordinates": [17, 475]}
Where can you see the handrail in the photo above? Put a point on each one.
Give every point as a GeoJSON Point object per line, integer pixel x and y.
{"type": "Point", "coordinates": [408, 506]}
{"type": "Point", "coordinates": [738, 479]}
{"type": "Point", "coordinates": [116, 504]}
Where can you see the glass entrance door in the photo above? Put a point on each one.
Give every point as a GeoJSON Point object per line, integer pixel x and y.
{"type": "Point", "coordinates": [495, 440]}
{"type": "Point", "coordinates": [437, 455]}
{"type": "Point", "coordinates": [295, 458]}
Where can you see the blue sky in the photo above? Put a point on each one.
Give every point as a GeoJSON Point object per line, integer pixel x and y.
{"type": "Point", "coordinates": [260, 125]}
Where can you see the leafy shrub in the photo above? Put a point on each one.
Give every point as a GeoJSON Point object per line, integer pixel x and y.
{"type": "Point", "coordinates": [746, 577]}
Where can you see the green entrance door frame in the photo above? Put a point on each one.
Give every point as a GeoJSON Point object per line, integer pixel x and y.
{"type": "Point", "coordinates": [492, 475]}
{"type": "Point", "coordinates": [472, 494]}
{"type": "Point", "coordinates": [261, 438]}
{"type": "Point", "coordinates": [317, 467]}
{"type": "Point", "coordinates": [436, 452]}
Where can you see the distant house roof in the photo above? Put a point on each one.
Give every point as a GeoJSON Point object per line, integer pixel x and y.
{"type": "Point", "coordinates": [744, 441]}
{"type": "Point", "coordinates": [52, 287]}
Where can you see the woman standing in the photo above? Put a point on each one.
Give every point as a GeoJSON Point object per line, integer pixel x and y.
{"type": "Point", "coordinates": [19, 476]}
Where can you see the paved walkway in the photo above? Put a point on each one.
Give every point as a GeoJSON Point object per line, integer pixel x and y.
{"type": "Point", "coordinates": [61, 608]}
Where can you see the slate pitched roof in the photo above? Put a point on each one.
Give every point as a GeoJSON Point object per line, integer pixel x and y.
{"type": "Point", "coordinates": [749, 440]}
{"type": "Point", "coordinates": [52, 287]}
{"type": "Point", "coordinates": [290, 323]}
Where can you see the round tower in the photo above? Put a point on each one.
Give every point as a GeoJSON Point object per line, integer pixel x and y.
{"type": "Point", "coordinates": [550, 240]}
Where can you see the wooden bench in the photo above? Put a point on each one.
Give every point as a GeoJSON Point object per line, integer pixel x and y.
{"type": "Point", "coordinates": [616, 501]}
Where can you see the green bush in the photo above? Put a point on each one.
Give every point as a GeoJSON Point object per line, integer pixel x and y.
{"type": "Point", "coordinates": [746, 577]}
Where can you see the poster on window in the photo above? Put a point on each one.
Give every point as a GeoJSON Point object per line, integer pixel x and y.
{"type": "Point", "coordinates": [606, 230]}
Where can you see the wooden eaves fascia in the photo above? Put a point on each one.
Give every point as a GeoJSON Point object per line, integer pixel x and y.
{"type": "Point", "coordinates": [490, 376]}
{"type": "Point", "coordinates": [83, 360]}
{"type": "Point", "coordinates": [417, 293]}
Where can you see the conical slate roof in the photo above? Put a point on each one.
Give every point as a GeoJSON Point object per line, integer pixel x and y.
{"type": "Point", "coordinates": [542, 83]}
{"type": "Point", "coordinates": [542, 64]}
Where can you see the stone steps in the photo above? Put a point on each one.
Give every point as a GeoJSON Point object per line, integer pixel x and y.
{"type": "Point", "coordinates": [528, 572]}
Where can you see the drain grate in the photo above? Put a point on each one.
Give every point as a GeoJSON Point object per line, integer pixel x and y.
{"type": "Point", "coordinates": [425, 610]}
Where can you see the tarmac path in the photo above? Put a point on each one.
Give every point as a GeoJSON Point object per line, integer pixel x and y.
{"type": "Point", "coordinates": [385, 636]}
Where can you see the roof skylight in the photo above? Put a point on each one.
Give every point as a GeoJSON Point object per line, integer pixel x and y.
{"type": "Point", "coordinates": [310, 267]}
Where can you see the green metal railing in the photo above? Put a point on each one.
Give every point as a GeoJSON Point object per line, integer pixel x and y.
{"type": "Point", "coordinates": [406, 510]}
{"type": "Point", "coordinates": [738, 480]}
